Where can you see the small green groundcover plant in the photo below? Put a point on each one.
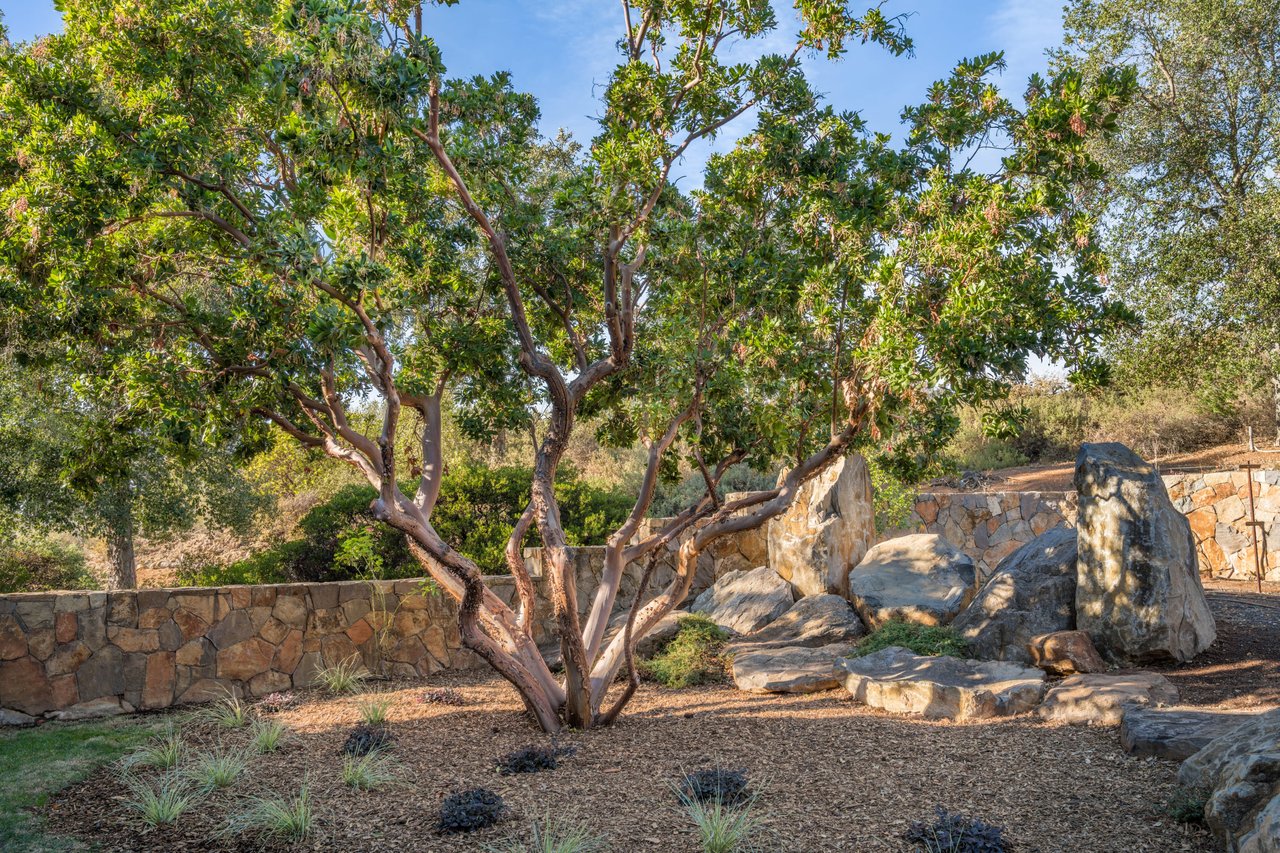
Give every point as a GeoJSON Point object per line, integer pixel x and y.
{"type": "Point", "coordinates": [467, 811]}
{"type": "Point", "coordinates": [921, 639]}
{"type": "Point", "coordinates": [1186, 805]}
{"type": "Point", "coordinates": [695, 655]}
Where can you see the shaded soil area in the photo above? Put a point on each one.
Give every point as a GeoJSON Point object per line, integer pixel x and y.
{"type": "Point", "coordinates": [1241, 670]}
{"type": "Point", "coordinates": [831, 776]}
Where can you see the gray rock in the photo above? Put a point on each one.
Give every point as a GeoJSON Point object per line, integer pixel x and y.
{"type": "Point", "coordinates": [919, 578]}
{"type": "Point", "coordinates": [816, 620]}
{"type": "Point", "coordinates": [1031, 592]}
{"type": "Point", "coordinates": [895, 679]}
{"type": "Point", "coordinates": [788, 669]}
{"type": "Point", "coordinates": [104, 707]}
{"type": "Point", "coordinates": [1138, 590]}
{"type": "Point", "coordinates": [1264, 837]}
{"type": "Point", "coordinates": [10, 717]}
{"type": "Point", "coordinates": [1241, 770]}
{"type": "Point", "coordinates": [745, 601]}
{"type": "Point", "coordinates": [825, 532]}
{"type": "Point", "coordinates": [1174, 734]}
{"type": "Point", "coordinates": [1101, 699]}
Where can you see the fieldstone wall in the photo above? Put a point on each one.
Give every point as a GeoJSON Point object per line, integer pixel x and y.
{"type": "Point", "coordinates": [1217, 505]}
{"type": "Point", "coordinates": [990, 526]}
{"type": "Point", "coordinates": [75, 654]}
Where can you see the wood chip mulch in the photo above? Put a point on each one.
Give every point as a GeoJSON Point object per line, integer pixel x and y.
{"type": "Point", "coordinates": [831, 775]}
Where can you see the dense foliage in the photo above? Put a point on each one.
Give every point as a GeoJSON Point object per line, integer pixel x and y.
{"type": "Point", "coordinates": [467, 811]}
{"type": "Point", "coordinates": [478, 506]}
{"type": "Point", "coordinates": [40, 564]}
{"type": "Point", "coordinates": [955, 833]}
{"type": "Point", "coordinates": [729, 788]}
{"type": "Point", "coordinates": [1193, 187]}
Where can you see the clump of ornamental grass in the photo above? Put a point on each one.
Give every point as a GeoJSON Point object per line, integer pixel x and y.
{"type": "Point", "coordinates": [289, 819]}
{"type": "Point", "coordinates": [265, 736]}
{"type": "Point", "coordinates": [922, 639]}
{"type": "Point", "coordinates": [343, 677]}
{"type": "Point", "coordinates": [548, 836]}
{"type": "Point", "coordinates": [159, 801]}
{"type": "Point", "coordinates": [695, 655]}
{"type": "Point", "coordinates": [366, 739]}
{"type": "Point", "coordinates": [374, 709]}
{"type": "Point", "coordinates": [467, 811]}
{"type": "Point", "coordinates": [367, 772]}
{"type": "Point", "coordinates": [955, 833]}
{"type": "Point", "coordinates": [723, 828]}
{"type": "Point", "coordinates": [215, 769]}
{"type": "Point", "coordinates": [229, 712]}
{"type": "Point", "coordinates": [162, 752]}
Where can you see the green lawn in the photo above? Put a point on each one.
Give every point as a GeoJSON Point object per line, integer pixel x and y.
{"type": "Point", "coordinates": [38, 762]}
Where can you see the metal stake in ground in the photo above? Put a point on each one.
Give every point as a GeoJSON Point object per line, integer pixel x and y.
{"type": "Point", "coordinates": [1254, 525]}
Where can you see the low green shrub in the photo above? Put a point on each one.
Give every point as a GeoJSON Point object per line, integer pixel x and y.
{"type": "Point", "coordinates": [1186, 805]}
{"type": "Point", "coordinates": [921, 639]}
{"type": "Point", "coordinates": [695, 655]}
{"type": "Point", "coordinates": [38, 564]}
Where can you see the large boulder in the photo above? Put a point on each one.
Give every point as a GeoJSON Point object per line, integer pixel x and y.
{"type": "Point", "coordinates": [1138, 590]}
{"type": "Point", "coordinates": [817, 620]}
{"type": "Point", "coordinates": [1031, 592]}
{"type": "Point", "coordinates": [1174, 734]}
{"type": "Point", "coordinates": [1241, 770]}
{"type": "Point", "coordinates": [745, 601]}
{"type": "Point", "coordinates": [896, 679]}
{"type": "Point", "coordinates": [1102, 699]}
{"type": "Point", "coordinates": [788, 669]}
{"type": "Point", "coordinates": [828, 528]}
{"type": "Point", "coordinates": [920, 578]}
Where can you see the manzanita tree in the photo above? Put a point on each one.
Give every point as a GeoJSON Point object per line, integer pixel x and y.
{"type": "Point", "coordinates": [261, 213]}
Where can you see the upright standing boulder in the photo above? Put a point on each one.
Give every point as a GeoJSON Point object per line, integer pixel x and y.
{"type": "Point", "coordinates": [1138, 590]}
{"type": "Point", "coordinates": [919, 578]}
{"type": "Point", "coordinates": [1031, 592]}
{"type": "Point", "coordinates": [827, 530]}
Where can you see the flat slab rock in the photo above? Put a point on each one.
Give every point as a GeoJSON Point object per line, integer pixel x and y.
{"type": "Point", "coordinates": [898, 680]}
{"type": "Point", "coordinates": [1174, 734]}
{"type": "Point", "coordinates": [788, 669]}
{"type": "Point", "coordinates": [919, 578]}
{"type": "Point", "coordinates": [745, 601]}
{"type": "Point", "coordinates": [1101, 700]}
{"type": "Point", "coordinates": [813, 621]}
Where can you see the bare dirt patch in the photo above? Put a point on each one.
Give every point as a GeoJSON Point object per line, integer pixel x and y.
{"type": "Point", "coordinates": [1241, 670]}
{"type": "Point", "coordinates": [832, 776]}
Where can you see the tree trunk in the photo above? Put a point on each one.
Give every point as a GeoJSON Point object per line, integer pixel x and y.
{"type": "Point", "coordinates": [124, 570]}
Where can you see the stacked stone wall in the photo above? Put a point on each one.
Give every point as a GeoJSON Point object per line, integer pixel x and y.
{"type": "Point", "coordinates": [991, 525]}
{"type": "Point", "coordinates": [87, 653]}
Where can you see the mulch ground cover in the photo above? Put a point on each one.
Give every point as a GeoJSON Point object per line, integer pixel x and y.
{"type": "Point", "coordinates": [830, 775]}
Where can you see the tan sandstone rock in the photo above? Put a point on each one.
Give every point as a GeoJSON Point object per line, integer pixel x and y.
{"type": "Point", "coordinates": [1101, 699]}
{"type": "Point", "coordinates": [1066, 653]}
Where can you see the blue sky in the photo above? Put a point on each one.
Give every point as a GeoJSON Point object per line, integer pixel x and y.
{"type": "Point", "coordinates": [562, 51]}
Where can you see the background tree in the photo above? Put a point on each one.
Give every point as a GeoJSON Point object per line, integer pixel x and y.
{"type": "Point", "coordinates": [1194, 186]}
{"type": "Point", "coordinates": [311, 216]}
{"type": "Point", "coordinates": [73, 461]}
